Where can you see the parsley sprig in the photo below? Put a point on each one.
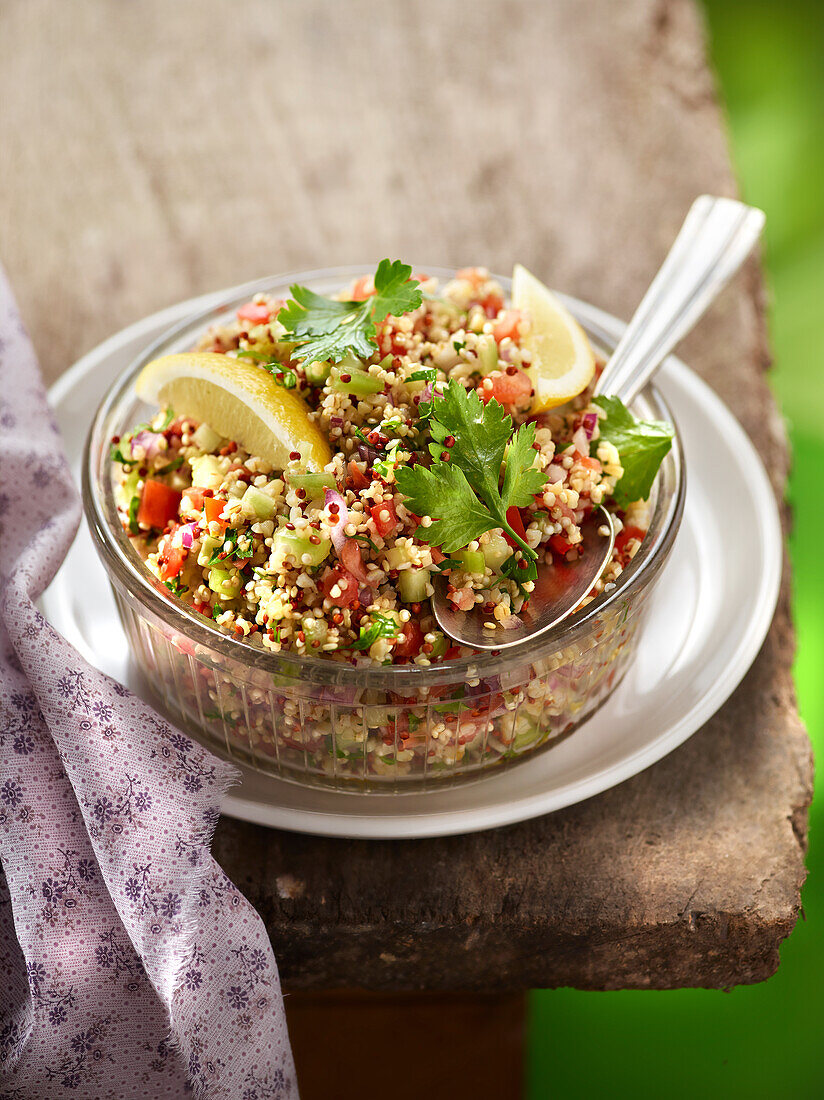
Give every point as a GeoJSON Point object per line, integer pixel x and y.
{"type": "Point", "coordinates": [641, 444]}
{"type": "Point", "coordinates": [327, 330]}
{"type": "Point", "coordinates": [462, 494]}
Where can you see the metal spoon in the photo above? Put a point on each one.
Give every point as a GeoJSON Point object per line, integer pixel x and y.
{"type": "Point", "coordinates": [715, 239]}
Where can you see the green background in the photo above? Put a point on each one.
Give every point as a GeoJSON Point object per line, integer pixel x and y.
{"type": "Point", "coordinates": [765, 1040]}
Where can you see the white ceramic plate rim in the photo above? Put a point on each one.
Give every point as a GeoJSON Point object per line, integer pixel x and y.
{"type": "Point", "coordinates": [350, 815]}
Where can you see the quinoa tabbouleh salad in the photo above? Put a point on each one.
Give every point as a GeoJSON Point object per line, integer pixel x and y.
{"type": "Point", "coordinates": [320, 461]}
{"type": "Point", "coordinates": [425, 454]}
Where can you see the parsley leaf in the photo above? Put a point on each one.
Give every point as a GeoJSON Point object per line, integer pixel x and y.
{"type": "Point", "coordinates": [327, 330]}
{"type": "Point", "coordinates": [641, 444]}
{"type": "Point", "coordinates": [522, 481]}
{"type": "Point", "coordinates": [443, 493]}
{"type": "Point", "coordinates": [462, 495]}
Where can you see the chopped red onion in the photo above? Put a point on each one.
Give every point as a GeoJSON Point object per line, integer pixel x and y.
{"type": "Point", "coordinates": [337, 533]}
{"type": "Point", "coordinates": [555, 473]}
{"type": "Point", "coordinates": [188, 534]}
{"type": "Point", "coordinates": [589, 423]}
{"type": "Point", "coordinates": [149, 441]}
{"type": "Point", "coordinates": [581, 441]}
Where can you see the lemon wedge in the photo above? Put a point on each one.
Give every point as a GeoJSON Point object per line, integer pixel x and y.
{"type": "Point", "coordinates": [562, 361]}
{"type": "Point", "coordinates": [238, 400]}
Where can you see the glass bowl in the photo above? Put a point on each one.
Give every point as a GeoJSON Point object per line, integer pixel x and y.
{"type": "Point", "coordinates": [318, 722]}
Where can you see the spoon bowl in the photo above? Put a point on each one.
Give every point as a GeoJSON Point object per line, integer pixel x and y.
{"type": "Point", "coordinates": [559, 590]}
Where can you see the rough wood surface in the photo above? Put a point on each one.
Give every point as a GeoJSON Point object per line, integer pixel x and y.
{"type": "Point", "coordinates": [153, 150]}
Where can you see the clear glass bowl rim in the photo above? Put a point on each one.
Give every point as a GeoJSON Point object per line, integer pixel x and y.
{"type": "Point", "coordinates": [126, 569]}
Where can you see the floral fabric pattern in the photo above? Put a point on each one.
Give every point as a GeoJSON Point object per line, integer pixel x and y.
{"type": "Point", "coordinates": [130, 966]}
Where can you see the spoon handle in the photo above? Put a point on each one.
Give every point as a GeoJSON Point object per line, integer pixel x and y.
{"type": "Point", "coordinates": [715, 239]}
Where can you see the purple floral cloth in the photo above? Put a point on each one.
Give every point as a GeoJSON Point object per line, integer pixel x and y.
{"type": "Point", "coordinates": [130, 966]}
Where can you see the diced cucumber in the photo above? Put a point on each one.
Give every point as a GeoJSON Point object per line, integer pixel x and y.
{"type": "Point", "coordinates": [487, 353]}
{"type": "Point", "coordinates": [257, 503]}
{"type": "Point", "coordinates": [206, 438]}
{"type": "Point", "coordinates": [288, 544]}
{"type": "Point", "coordinates": [473, 560]}
{"type": "Point", "coordinates": [130, 484]}
{"type": "Point", "coordinates": [526, 737]}
{"type": "Point", "coordinates": [396, 556]}
{"type": "Point", "coordinates": [496, 550]}
{"type": "Point", "coordinates": [360, 383]}
{"type": "Point", "coordinates": [317, 371]}
{"type": "Point", "coordinates": [313, 484]}
{"type": "Point", "coordinates": [439, 646]}
{"type": "Point", "coordinates": [207, 548]}
{"type": "Point", "coordinates": [224, 583]}
{"type": "Point", "coordinates": [412, 585]}
{"type": "Point", "coordinates": [207, 472]}
{"type": "Point", "coordinates": [378, 718]}
{"type": "Point", "coordinates": [315, 630]}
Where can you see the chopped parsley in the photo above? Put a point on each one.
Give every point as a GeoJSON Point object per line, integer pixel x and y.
{"type": "Point", "coordinates": [286, 377]}
{"type": "Point", "coordinates": [382, 626]}
{"type": "Point", "coordinates": [175, 587]}
{"type": "Point", "coordinates": [116, 453]}
{"type": "Point", "coordinates": [428, 374]}
{"type": "Point", "coordinates": [641, 444]}
{"type": "Point", "coordinates": [462, 495]}
{"type": "Point", "coordinates": [175, 464]}
{"type": "Point", "coordinates": [134, 505]}
{"type": "Point", "coordinates": [327, 330]}
{"type": "Point", "coordinates": [220, 555]}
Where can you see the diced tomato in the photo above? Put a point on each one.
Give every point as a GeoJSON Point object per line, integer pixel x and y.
{"type": "Point", "coordinates": [513, 389]}
{"type": "Point", "coordinates": [214, 506]}
{"type": "Point", "coordinates": [384, 526]}
{"type": "Point", "coordinates": [171, 561]}
{"type": "Point", "coordinates": [409, 640]}
{"type": "Point", "coordinates": [507, 325]}
{"type": "Point", "coordinates": [560, 545]}
{"type": "Point", "coordinates": [356, 476]}
{"type": "Point", "coordinates": [492, 304]}
{"type": "Point", "coordinates": [364, 288]}
{"type": "Point", "coordinates": [626, 535]}
{"type": "Point", "coordinates": [346, 583]}
{"type": "Point", "coordinates": [194, 498]}
{"type": "Point", "coordinates": [513, 518]}
{"type": "Point", "coordinates": [158, 505]}
{"type": "Point", "coordinates": [352, 560]}
{"type": "Point", "coordinates": [437, 554]}
{"type": "Point", "coordinates": [254, 313]}
{"type": "Point", "coordinates": [472, 275]}
{"type": "Point", "coordinates": [592, 463]}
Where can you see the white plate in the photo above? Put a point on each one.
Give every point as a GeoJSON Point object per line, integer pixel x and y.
{"type": "Point", "coordinates": [709, 615]}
